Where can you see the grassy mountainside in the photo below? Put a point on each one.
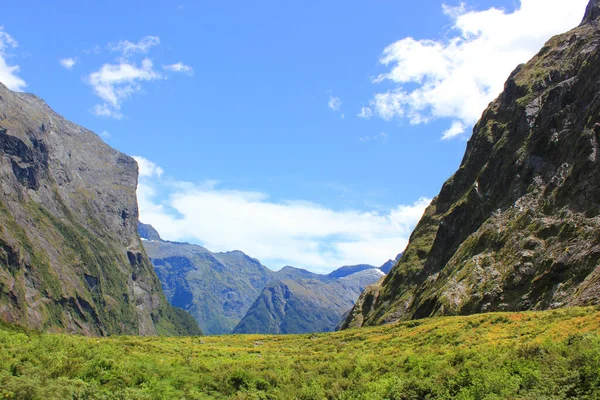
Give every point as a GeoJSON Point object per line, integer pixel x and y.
{"type": "Point", "coordinates": [531, 355]}
{"type": "Point", "coordinates": [70, 256]}
{"type": "Point", "coordinates": [223, 291]}
{"type": "Point", "coordinates": [216, 288]}
{"type": "Point", "coordinates": [305, 305]}
{"type": "Point", "coordinates": [518, 225]}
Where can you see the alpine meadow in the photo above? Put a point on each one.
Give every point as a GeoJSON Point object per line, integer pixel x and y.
{"type": "Point", "coordinates": [299, 219]}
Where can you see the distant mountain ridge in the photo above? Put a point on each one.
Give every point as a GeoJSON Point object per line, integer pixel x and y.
{"type": "Point", "coordinates": [219, 289]}
{"type": "Point", "coordinates": [215, 288]}
{"type": "Point", "coordinates": [387, 267]}
{"type": "Point", "coordinates": [306, 305]}
{"type": "Point", "coordinates": [349, 270]}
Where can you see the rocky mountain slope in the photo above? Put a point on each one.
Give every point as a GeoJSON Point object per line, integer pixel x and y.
{"type": "Point", "coordinates": [218, 289]}
{"type": "Point", "coordinates": [70, 256]}
{"type": "Point", "coordinates": [517, 227]}
{"type": "Point", "coordinates": [215, 288]}
{"type": "Point", "coordinates": [306, 305]}
{"type": "Point", "coordinates": [387, 267]}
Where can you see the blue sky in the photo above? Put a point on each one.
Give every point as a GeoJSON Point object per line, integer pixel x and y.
{"type": "Point", "coordinates": [307, 133]}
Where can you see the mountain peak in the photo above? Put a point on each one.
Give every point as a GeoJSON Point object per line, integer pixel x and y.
{"type": "Point", "coordinates": [349, 270]}
{"type": "Point", "coordinates": [592, 12]}
{"type": "Point", "coordinates": [494, 237]}
{"type": "Point", "coordinates": [148, 232]}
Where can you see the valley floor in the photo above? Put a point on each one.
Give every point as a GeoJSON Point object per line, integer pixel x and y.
{"type": "Point", "coordinates": [530, 355]}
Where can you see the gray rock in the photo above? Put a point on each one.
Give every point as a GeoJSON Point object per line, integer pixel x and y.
{"type": "Point", "coordinates": [70, 256]}
{"type": "Point", "coordinates": [516, 227]}
{"type": "Point", "coordinates": [305, 305]}
{"type": "Point", "coordinates": [225, 290]}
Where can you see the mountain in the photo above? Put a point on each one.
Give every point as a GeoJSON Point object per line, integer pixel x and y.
{"type": "Point", "coordinates": [349, 270]}
{"type": "Point", "coordinates": [306, 305]}
{"type": "Point", "coordinates": [148, 232]}
{"type": "Point", "coordinates": [70, 256]}
{"type": "Point", "coordinates": [387, 267]}
{"type": "Point", "coordinates": [221, 289]}
{"type": "Point", "coordinates": [518, 225]}
{"type": "Point", "coordinates": [215, 288]}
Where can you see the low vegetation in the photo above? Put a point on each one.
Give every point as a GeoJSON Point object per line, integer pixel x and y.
{"type": "Point", "coordinates": [532, 355]}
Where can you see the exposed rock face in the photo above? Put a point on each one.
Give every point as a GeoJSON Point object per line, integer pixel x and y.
{"type": "Point", "coordinates": [148, 232]}
{"type": "Point", "coordinates": [517, 227]}
{"type": "Point", "coordinates": [215, 288]}
{"type": "Point", "coordinates": [70, 256]}
{"type": "Point", "coordinates": [305, 305]}
{"type": "Point", "coordinates": [222, 289]}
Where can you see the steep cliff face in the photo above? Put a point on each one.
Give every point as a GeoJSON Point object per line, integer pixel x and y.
{"type": "Point", "coordinates": [70, 256]}
{"type": "Point", "coordinates": [517, 227]}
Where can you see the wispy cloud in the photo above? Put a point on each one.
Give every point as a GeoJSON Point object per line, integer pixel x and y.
{"type": "Point", "coordinates": [8, 73]}
{"type": "Point", "coordinates": [103, 110]}
{"type": "Point", "coordinates": [457, 77]}
{"type": "Point", "coordinates": [335, 103]}
{"type": "Point", "coordinates": [278, 233]}
{"type": "Point", "coordinates": [96, 49]}
{"type": "Point", "coordinates": [114, 83]}
{"type": "Point", "coordinates": [179, 67]}
{"type": "Point", "coordinates": [68, 63]}
{"type": "Point", "coordinates": [457, 128]}
{"type": "Point", "coordinates": [365, 112]}
{"type": "Point", "coordinates": [382, 137]}
{"type": "Point", "coordinates": [128, 48]}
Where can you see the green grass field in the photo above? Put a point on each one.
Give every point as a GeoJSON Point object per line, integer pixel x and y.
{"type": "Point", "coordinates": [532, 355]}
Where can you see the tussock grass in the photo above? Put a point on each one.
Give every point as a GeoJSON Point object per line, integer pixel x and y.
{"type": "Point", "coordinates": [530, 355]}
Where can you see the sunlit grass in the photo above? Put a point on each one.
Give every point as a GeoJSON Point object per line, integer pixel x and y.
{"type": "Point", "coordinates": [551, 354]}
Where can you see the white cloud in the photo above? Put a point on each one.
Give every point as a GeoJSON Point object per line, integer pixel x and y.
{"type": "Point", "coordinates": [365, 112]}
{"type": "Point", "coordinates": [8, 73]}
{"type": "Point", "coordinates": [457, 77]}
{"type": "Point", "coordinates": [104, 134]}
{"type": "Point", "coordinates": [114, 83]}
{"type": "Point", "coordinates": [457, 128]}
{"type": "Point", "coordinates": [382, 137]}
{"type": "Point", "coordinates": [335, 103]}
{"type": "Point", "coordinates": [147, 168]}
{"type": "Point", "coordinates": [179, 67]}
{"type": "Point", "coordinates": [104, 110]}
{"type": "Point", "coordinates": [278, 233]}
{"type": "Point", "coordinates": [128, 48]}
{"type": "Point", "coordinates": [68, 63]}
{"type": "Point", "coordinates": [96, 49]}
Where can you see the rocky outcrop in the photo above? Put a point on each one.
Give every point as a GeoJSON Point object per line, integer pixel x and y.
{"type": "Point", "coordinates": [517, 227]}
{"type": "Point", "coordinates": [70, 256]}
{"type": "Point", "coordinates": [148, 232]}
